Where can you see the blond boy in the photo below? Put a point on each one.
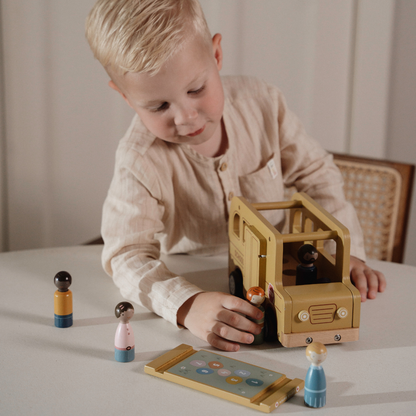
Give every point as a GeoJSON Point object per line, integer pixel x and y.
{"type": "Point", "coordinates": [196, 141]}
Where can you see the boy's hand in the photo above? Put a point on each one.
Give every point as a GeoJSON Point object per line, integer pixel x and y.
{"type": "Point", "coordinates": [215, 318]}
{"type": "Point", "coordinates": [366, 280]}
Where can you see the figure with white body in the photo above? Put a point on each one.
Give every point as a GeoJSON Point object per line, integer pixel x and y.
{"type": "Point", "coordinates": [315, 381]}
{"type": "Point", "coordinates": [124, 339]}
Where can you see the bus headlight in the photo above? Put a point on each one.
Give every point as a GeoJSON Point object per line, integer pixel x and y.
{"type": "Point", "coordinates": [342, 312]}
{"type": "Point", "coordinates": [303, 316]}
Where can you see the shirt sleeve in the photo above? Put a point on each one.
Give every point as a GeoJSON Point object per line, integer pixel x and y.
{"type": "Point", "coordinates": [308, 167]}
{"type": "Point", "coordinates": [132, 216]}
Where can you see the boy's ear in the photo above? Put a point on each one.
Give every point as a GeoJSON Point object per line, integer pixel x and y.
{"type": "Point", "coordinates": [114, 87]}
{"type": "Point", "coordinates": [217, 49]}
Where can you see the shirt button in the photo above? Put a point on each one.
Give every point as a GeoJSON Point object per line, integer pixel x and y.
{"type": "Point", "coordinates": [230, 196]}
{"type": "Point", "coordinates": [223, 167]}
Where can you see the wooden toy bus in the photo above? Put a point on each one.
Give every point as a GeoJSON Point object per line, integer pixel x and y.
{"type": "Point", "coordinates": [260, 255]}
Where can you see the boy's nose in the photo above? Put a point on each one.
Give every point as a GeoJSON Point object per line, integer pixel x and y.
{"type": "Point", "coordinates": [185, 115]}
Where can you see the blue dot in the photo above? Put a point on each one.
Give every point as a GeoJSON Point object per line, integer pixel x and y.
{"type": "Point", "coordinates": [204, 371]}
{"type": "Point", "coordinates": [254, 382]}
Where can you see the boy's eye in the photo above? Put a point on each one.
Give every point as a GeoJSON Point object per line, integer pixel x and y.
{"type": "Point", "coordinates": [162, 107]}
{"type": "Point", "coordinates": [199, 90]}
{"type": "Point", "coordinates": [165, 105]}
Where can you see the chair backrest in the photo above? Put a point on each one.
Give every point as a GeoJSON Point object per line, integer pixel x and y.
{"type": "Point", "coordinates": [381, 194]}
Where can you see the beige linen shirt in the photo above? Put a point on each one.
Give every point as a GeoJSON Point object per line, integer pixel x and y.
{"type": "Point", "coordinates": [167, 198]}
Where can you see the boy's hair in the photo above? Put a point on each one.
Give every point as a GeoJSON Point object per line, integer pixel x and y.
{"type": "Point", "coordinates": [141, 35]}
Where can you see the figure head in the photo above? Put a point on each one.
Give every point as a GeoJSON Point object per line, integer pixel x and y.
{"type": "Point", "coordinates": [316, 353]}
{"type": "Point", "coordinates": [62, 281]}
{"type": "Point", "coordinates": [255, 295]}
{"type": "Point", "coordinates": [307, 254]}
{"type": "Point", "coordinates": [124, 311]}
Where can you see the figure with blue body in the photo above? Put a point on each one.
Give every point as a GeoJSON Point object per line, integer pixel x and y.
{"type": "Point", "coordinates": [63, 300]}
{"type": "Point", "coordinates": [124, 338]}
{"type": "Point", "coordinates": [315, 381]}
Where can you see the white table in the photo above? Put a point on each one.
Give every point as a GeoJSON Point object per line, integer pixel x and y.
{"type": "Point", "coordinates": [49, 371]}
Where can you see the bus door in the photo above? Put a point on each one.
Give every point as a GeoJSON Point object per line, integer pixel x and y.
{"type": "Point", "coordinates": [255, 258]}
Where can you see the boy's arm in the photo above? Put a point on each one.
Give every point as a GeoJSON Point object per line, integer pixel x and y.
{"type": "Point", "coordinates": [308, 167]}
{"type": "Point", "coordinates": [133, 263]}
{"type": "Point", "coordinates": [147, 281]}
{"type": "Point", "coordinates": [132, 216]}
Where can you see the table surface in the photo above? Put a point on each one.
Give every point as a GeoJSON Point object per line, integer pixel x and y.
{"type": "Point", "coordinates": [49, 371]}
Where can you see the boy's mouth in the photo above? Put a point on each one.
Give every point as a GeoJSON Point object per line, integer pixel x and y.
{"type": "Point", "coordinates": [195, 133]}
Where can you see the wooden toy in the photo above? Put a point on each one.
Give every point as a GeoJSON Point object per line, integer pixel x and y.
{"type": "Point", "coordinates": [124, 351]}
{"type": "Point", "coordinates": [63, 300]}
{"type": "Point", "coordinates": [256, 296]}
{"type": "Point", "coordinates": [221, 376]}
{"type": "Point", "coordinates": [261, 256]}
{"type": "Point", "coordinates": [315, 381]}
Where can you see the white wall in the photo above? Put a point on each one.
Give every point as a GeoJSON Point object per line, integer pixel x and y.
{"type": "Point", "coordinates": [401, 145]}
{"type": "Point", "coordinates": [304, 47]}
{"type": "Point", "coordinates": [331, 58]}
{"type": "Point", "coordinates": [3, 189]}
{"type": "Point", "coordinates": [62, 124]}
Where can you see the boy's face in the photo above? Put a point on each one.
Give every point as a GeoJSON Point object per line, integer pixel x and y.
{"type": "Point", "coordinates": [184, 101]}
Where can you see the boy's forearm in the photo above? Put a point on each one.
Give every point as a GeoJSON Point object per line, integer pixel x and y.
{"type": "Point", "coordinates": [149, 283]}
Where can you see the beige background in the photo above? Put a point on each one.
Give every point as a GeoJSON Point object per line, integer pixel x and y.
{"type": "Point", "coordinates": [347, 68]}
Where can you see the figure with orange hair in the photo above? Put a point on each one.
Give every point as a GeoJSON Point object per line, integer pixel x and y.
{"type": "Point", "coordinates": [315, 381]}
{"type": "Point", "coordinates": [256, 296]}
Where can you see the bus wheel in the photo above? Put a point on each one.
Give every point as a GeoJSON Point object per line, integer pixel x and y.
{"type": "Point", "coordinates": [236, 283]}
{"type": "Point", "coordinates": [270, 322]}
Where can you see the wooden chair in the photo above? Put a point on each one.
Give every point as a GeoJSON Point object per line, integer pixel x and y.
{"type": "Point", "coordinates": [381, 194]}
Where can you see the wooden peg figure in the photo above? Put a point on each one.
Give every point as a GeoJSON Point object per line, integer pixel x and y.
{"type": "Point", "coordinates": [306, 271]}
{"type": "Point", "coordinates": [124, 339]}
{"type": "Point", "coordinates": [63, 300]}
{"type": "Point", "coordinates": [315, 381]}
{"type": "Point", "coordinates": [256, 296]}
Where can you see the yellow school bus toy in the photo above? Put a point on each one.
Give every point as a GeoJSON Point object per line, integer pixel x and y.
{"type": "Point", "coordinates": [309, 297]}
